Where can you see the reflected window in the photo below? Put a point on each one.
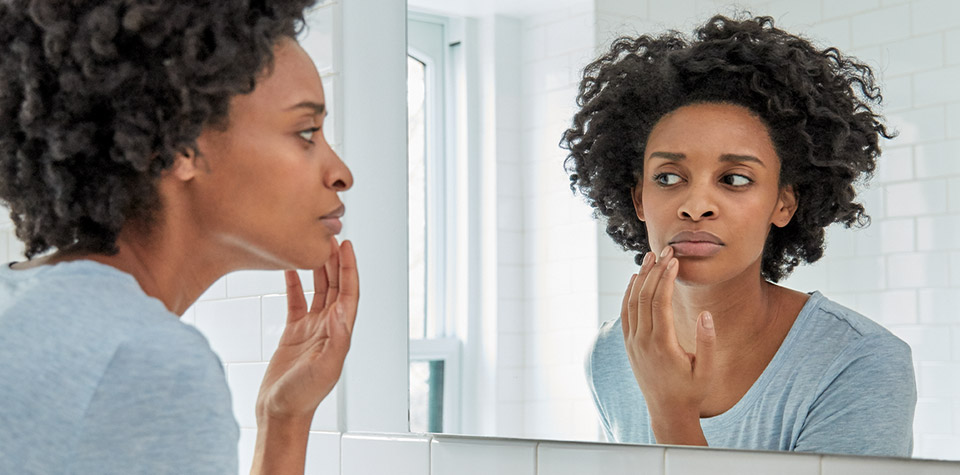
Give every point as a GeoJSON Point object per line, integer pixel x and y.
{"type": "Point", "coordinates": [416, 186]}
{"type": "Point", "coordinates": [434, 346]}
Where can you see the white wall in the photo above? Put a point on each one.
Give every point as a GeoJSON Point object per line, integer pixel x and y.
{"type": "Point", "coordinates": [526, 338]}
{"type": "Point", "coordinates": [398, 454]}
{"type": "Point", "coordinates": [559, 237]}
{"type": "Point", "coordinates": [904, 270]}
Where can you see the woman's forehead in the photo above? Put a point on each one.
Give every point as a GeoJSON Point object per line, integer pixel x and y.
{"type": "Point", "coordinates": [717, 130]}
{"type": "Point", "coordinates": [292, 80]}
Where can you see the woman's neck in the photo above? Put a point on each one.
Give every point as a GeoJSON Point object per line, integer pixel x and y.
{"type": "Point", "coordinates": [176, 275]}
{"type": "Point", "coordinates": [745, 310]}
{"type": "Point", "coordinates": [168, 264]}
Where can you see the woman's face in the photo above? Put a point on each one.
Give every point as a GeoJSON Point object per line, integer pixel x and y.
{"type": "Point", "coordinates": [266, 188]}
{"type": "Point", "coordinates": [710, 189]}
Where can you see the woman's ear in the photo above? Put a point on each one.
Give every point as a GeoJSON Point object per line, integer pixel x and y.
{"type": "Point", "coordinates": [185, 165]}
{"type": "Point", "coordinates": [637, 192]}
{"type": "Point", "coordinates": [786, 207]}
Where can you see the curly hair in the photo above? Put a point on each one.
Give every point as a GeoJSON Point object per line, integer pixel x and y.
{"type": "Point", "coordinates": [98, 97]}
{"type": "Point", "coordinates": [818, 105]}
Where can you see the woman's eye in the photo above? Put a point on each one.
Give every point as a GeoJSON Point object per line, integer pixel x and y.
{"type": "Point", "coordinates": [737, 180]}
{"type": "Point", "coordinates": [666, 179]}
{"type": "Point", "coordinates": [308, 134]}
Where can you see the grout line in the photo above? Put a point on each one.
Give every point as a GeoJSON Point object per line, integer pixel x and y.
{"type": "Point", "coordinates": [664, 461]}
{"type": "Point", "coordinates": [429, 454]}
{"type": "Point", "coordinates": [536, 458]}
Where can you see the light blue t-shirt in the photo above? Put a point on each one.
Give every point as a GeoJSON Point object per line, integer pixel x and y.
{"type": "Point", "coordinates": [97, 377]}
{"type": "Point", "coordinates": [840, 383]}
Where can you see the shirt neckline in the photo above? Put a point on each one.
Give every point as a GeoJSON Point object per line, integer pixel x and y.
{"type": "Point", "coordinates": [779, 358]}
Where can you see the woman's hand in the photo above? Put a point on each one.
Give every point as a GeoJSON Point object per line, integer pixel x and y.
{"type": "Point", "coordinates": [307, 363]}
{"type": "Point", "coordinates": [310, 355]}
{"type": "Point", "coordinates": [674, 383]}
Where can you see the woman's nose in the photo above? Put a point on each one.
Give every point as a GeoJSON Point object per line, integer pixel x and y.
{"type": "Point", "coordinates": [338, 176]}
{"type": "Point", "coordinates": [698, 205]}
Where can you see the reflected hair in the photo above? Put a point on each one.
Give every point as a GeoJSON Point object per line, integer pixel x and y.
{"type": "Point", "coordinates": [99, 97]}
{"type": "Point", "coordinates": [819, 106]}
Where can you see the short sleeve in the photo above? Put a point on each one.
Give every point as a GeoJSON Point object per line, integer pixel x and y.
{"type": "Point", "coordinates": [162, 406]}
{"type": "Point", "coordinates": [591, 384]}
{"type": "Point", "coordinates": [865, 403]}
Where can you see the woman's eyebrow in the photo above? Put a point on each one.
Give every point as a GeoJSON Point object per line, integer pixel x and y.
{"type": "Point", "coordinates": [317, 107]}
{"type": "Point", "coordinates": [727, 157]}
{"type": "Point", "coordinates": [733, 157]}
{"type": "Point", "coordinates": [668, 156]}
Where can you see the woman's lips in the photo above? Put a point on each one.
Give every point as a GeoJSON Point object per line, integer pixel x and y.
{"type": "Point", "coordinates": [333, 224]}
{"type": "Point", "coordinates": [696, 244]}
{"type": "Point", "coordinates": [332, 220]}
{"type": "Point", "coordinates": [695, 248]}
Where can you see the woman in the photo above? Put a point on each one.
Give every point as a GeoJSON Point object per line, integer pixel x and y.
{"type": "Point", "coordinates": [148, 149]}
{"type": "Point", "coordinates": [721, 160]}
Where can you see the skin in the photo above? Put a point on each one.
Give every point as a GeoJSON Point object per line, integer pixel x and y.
{"type": "Point", "coordinates": [694, 350]}
{"type": "Point", "coordinates": [251, 197]}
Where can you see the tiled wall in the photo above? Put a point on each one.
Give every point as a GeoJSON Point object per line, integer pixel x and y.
{"type": "Point", "coordinates": [402, 454]}
{"type": "Point", "coordinates": [559, 239]}
{"type": "Point", "coordinates": [904, 270]}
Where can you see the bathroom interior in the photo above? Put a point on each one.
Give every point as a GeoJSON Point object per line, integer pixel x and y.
{"type": "Point", "coordinates": [484, 279]}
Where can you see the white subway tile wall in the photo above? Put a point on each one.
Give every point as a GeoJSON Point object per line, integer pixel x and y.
{"type": "Point", "coordinates": [681, 461]}
{"type": "Point", "coordinates": [323, 454]}
{"type": "Point", "coordinates": [832, 465]}
{"type": "Point", "coordinates": [558, 237]}
{"type": "Point", "coordinates": [376, 454]}
{"type": "Point", "coordinates": [556, 458]}
{"type": "Point", "coordinates": [331, 453]}
{"type": "Point", "coordinates": [459, 456]}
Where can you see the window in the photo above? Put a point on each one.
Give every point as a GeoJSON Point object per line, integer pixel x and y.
{"type": "Point", "coordinates": [434, 348]}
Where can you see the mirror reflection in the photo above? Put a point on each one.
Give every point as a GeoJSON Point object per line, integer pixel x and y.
{"type": "Point", "coordinates": [516, 274]}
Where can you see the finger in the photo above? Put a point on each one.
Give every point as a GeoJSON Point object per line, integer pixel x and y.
{"type": "Point", "coordinates": [349, 285]}
{"type": "Point", "coordinates": [320, 287]}
{"type": "Point", "coordinates": [706, 345]}
{"type": "Point", "coordinates": [649, 288]}
{"type": "Point", "coordinates": [662, 305]}
{"type": "Point", "coordinates": [625, 320]}
{"type": "Point", "coordinates": [637, 326]}
{"type": "Point", "coordinates": [332, 269]}
{"type": "Point", "coordinates": [296, 304]}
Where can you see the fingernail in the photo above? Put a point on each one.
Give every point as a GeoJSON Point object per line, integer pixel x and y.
{"type": "Point", "coordinates": [664, 252]}
{"type": "Point", "coordinates": [708, 321]}
{"type": "Point", "coordinates": [646, 259]}
{"type": "Point", "coordinates": [671, 264]}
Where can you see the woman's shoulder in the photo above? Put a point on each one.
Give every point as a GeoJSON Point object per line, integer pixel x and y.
{"type": "Point", "coordinates": [606, 358]}
{"type": "Point", "coordinates": [101, 314]}
{"type": "Point", "coordinates": [828, 313]}
{"type": "Point", "coordinates": [837, 326]}
{"type": "Point", "coordinates": [609, 339]}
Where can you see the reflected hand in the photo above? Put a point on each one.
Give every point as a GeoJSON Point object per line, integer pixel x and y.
{"type": "Point", "coordinates": [674, 383]}
{"type": "Point", "coordinates": [309, 358]}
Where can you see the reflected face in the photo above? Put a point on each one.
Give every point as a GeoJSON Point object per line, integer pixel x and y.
{"type": "Point", "coordinates": [711, 190]}
{"type": "Point", "coordinates": [268, 190]}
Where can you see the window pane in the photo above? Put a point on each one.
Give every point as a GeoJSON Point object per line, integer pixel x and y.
{"type": "Point", "coordinates": [416, 157]}
{"type": "Point", "coordinates": [426, 396]}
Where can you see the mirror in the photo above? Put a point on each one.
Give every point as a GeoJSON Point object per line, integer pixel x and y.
{"type": "Point", "coordinates": [510, 274]}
